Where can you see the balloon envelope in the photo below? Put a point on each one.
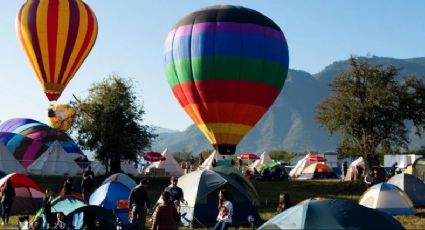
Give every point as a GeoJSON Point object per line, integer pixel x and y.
{"type": "Point", "coordinates": [56, 36]}
{"type": "Point", "coordinates": [64, 117]}
{"type": "Point", "coordinates": [226, 65]}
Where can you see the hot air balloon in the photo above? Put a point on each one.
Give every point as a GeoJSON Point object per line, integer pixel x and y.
{"type": "Point", "coordinates": [63, 118]}
{"type": "Point", "coordinates": [226, 65]}
{"type": "Point", "coordinates": [56, 35]}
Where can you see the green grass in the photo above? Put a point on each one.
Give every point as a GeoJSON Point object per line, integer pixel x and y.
{"type": "Point", "coordinates": [269, 193]}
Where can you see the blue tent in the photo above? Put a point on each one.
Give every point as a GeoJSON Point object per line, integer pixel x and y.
{"type": "Point", "coordinates": [108, 195]}
{"type": "Point", "coordinates": [331, 214]}
{"type": "Point", "coordinates": [91, 217]}
{"type": "Point", "coordinates": [123, 178]}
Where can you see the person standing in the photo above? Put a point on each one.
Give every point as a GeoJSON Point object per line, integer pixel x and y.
{"type": "Point", "coordinates": [67, 187]}
{"type": "Point", "coordinates": [225, 213]}
{"type": "Point", "coordinates": [344, 169]}
{"type": "Point", "coordinates": [139, 205]}
{"type": "Point", "coordinates": [87, 185]}
{"type": "Point", "coordinates": [166, 216]}
{"type": "Point", "coordinates": [7, 196]}
{"type": "Point", "coordinates": [284, 202]}
{"type": "Point", "coordinates": [46, 205]}
{"type": "Point", "coordinates": [176, 193]}
{"type": "Point", "coordinates": [88, 173]}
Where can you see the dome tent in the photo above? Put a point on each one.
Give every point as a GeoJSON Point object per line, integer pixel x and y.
{"type": "Point", "coordinates": [28, 193]}
{"type": "Point", "coordinates": [387, 198]}
{"type": "Point", "coordinates": [201, 189]}
{"type": "Point", "coordinates": [122, 178]}
{"type": "Point", "coordinates": [412, 185]}
{"type": "Point", "coordinates": [331, 214]}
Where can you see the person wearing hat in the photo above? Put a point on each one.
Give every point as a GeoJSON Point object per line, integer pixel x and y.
{"type": "Point", "coordinates": [139, 205]}
{"type": "Point", "coordinates": [176, 193]}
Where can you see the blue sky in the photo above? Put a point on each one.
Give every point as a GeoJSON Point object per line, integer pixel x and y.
{"type": "Point", "coordinates": [132, 33]}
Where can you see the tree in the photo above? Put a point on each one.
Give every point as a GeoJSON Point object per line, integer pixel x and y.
{"type": "Point", "coordinates": [370, 108]}
{"type": "Point", "coordinates": [109, 122]}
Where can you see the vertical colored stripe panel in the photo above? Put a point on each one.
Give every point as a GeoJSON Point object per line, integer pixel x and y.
{"type": "Point", "coordinates": [62, 36]}
{"type": "Point", "coordinates": [52, 30]}
{"type": "Point", "coordinates": [42, 35]}
{"type": "Point", "coordinates": [74, 21]}
{"type": "Point", "coordinates": [32, 28]}
{"type": "Point", "coordinates": [88, 43]}
{"type": "Point", "coordinates": [32, 151]}
{"type": "Point", "coordinates": [81, 34]}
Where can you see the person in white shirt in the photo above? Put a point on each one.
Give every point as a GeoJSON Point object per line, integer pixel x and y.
{"type": "Point", "coordinates": [225, 213]}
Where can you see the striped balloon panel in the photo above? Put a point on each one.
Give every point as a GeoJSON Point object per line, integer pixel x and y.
{"type": "Point", "coordinates": [24, 149]}
{"type": "Point", "coordinates": [226, 65]}
{"type": "Point", "coordinates": [57, 35]}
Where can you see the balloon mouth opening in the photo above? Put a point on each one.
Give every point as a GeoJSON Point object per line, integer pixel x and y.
{"type": "Point", "coordinates": [52, 96]}
{"type": "Point", "coordinates": [225, 149]}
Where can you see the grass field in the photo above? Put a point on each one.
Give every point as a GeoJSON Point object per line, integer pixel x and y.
{"type": "Point", "coordinates": [269, 193]}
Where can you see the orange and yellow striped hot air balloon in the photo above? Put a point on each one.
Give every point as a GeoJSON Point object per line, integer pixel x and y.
{"type": "Point", "coordinates": [57, 35]}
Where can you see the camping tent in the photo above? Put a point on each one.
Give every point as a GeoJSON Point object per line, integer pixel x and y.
{"type": "Point", "coordinates": [331, 214]}
{"type": "Point", "coordinates": [28, 193]}
{"type": "Point", "coordinates": [299, 167]}
{"type": "Point", "coordinates": [201, 189]}
{"type": "Point", "coordinates": [64, 204]}
{"type": "Point", "coordinates": [8, 163]}
{"type": "Point", "coordinates": [412, 185]}
{"type": "Point", "coordinates": [170, 165]}
{"type": "Point", "coordinates": [127, 167]}
{"type": "Point", "coordinates": [355, 170]}
{"type": "Point", "coordinates": [419, 168]}
{"type": "Point", "coordinates": [55, 161]}
{"type": "Point", "coordinates": [317, 171]}
{"type": "Point", "coordinates": [207, 164]}
{"type": "Point", "coordinates": [264, 159]}
{"type": "Point", "coordinates": [388, 198]}
{"type": "Point", "coordinates": [122, 178]}
{"type": "Point", "coordinates": [402, 160]}
{"type": "Point", "coordinates": [90, 215]}
{"type": "Point", "coordinates": [108, 195]}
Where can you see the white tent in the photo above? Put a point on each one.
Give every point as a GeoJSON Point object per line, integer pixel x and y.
{"type": "Point", "coordinates": [127, 167]}
{"type": "Point", "coordinates": [264, 159]}
{"type": "Point", "coordinates": [8, 162]}
{"type": "Point", "coordinates": [55, 161]}
{"type": "Point", "coordinates": [170, 165]}
{"type": "Point", "coordinates": [299, 167]}
{"type": "Point", "coordinates": [387, 198]}
{"type": "Point", "coordinates": [208, 162]}
{"type": "Point", "coordinates": [356, 170]}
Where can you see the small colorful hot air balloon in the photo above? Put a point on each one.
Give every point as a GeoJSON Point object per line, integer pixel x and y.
{"type": "Point", "coordinates": [57, 35]}
{"type": "Point", "coordinates": [226, 65]}
{"type": "Point", "coordinates": [63, 118]}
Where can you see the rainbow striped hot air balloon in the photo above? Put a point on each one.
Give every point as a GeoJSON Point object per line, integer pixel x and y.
{"type": "Point", "coordinates": [226, 65]}
{"type": "Point", "coordinates": [57, 35]}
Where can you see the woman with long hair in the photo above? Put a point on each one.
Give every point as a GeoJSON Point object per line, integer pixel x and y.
{"type": "Point", "coordinates": [7, 196]}
{"type": "Point", "coordinates": [225, 213]}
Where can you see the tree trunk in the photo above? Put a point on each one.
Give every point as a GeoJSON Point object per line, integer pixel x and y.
{"type": "Point", "coordinates": [115, 163]}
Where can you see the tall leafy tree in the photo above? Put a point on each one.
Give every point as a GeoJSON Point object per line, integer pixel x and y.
{"type": "Point", "coordinates": [109, 122]}
{"type": "Point", "coordinates": [369, 108]}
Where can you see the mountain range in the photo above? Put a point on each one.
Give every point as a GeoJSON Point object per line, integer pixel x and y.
{"type": "Point", "coordinates": [289, 124]}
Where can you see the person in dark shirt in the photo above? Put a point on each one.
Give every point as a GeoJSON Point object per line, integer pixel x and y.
{"type": "Point", "coordinates": [176, 193]}
{"type": "Point", "coordinates": [67, 187]}
{"type": "Point", "coordinates": [87, 186]}
{"type": "Point", "coordinates": [88, 173]}
{"type": "Point", "coordinates": [7, 196]}
{"type": "Point", "coordinates": [47, 209]}
{"type": "Point", "coordinates": [139, 205]}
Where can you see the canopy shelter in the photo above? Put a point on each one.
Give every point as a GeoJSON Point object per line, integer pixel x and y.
{"type": "Point", "coordinates": [317, 171]}
{"type": "Point", "coordinates": [170, 165]}
{"type": "Point", "coordinates": [201, 189]}
{"type": "Point", "coordinates": [387, 198]}
{"type": "Point", "coordinates": [109, 195]}
{"type": "Point", "coordinates": [356, 170]}
{"type": "Point", "coordinates": [55, 161]}
{"type": "Point", "coordinates": [413, 187]}
{"type": "Point", "coordinates": [153, 156]}
{"type": "Point", "coordinates": [8, 162]}
{"type": "Point", "coordinates": [331, 214]}
{"type": "Point", "coordinates": [128, 167]}
{"type": "Point", "coordinates": [248, 156]}
{"type": "Point", "coordinates": [28, 193]}
{"type": "Point", "coordinates": [419, 168]}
